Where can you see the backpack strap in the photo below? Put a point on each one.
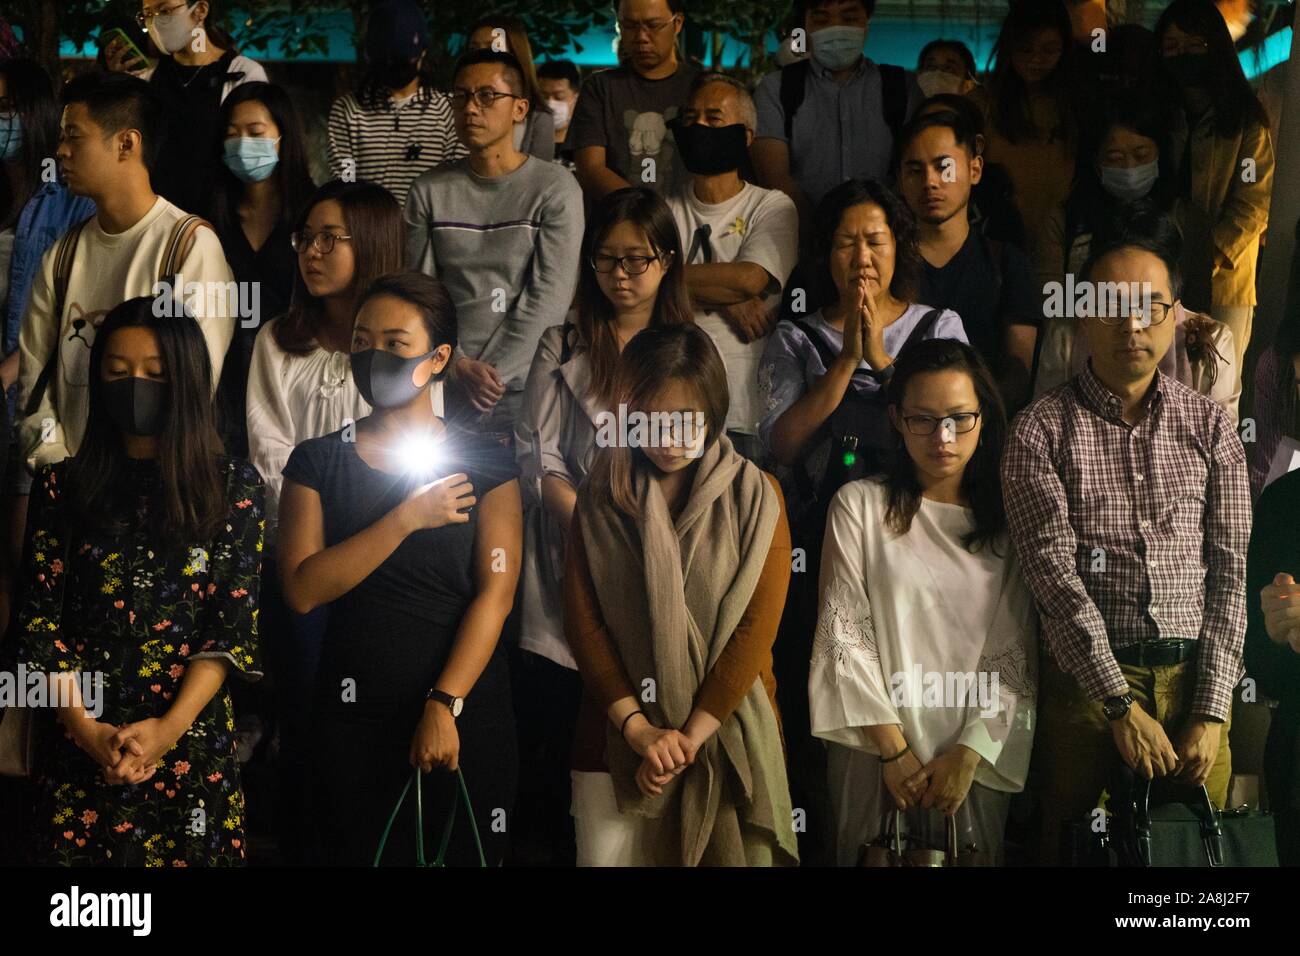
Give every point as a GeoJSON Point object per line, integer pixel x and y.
{"type": "Point", "coordinates": [794, 82]}
{"type": "Point", "coordinates": [64, 254]}
{"type": "Point", "coordinates": [179, 243]}
{"type": "Point", "coordinates": [893, 96]}
{"type": "Point", "coordinates": [566, 350]}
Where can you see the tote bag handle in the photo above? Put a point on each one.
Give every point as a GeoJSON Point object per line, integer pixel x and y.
{"type": "Point", "coordinates": [439, 860]}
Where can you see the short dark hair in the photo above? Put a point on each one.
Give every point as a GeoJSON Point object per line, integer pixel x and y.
{"type": "Point", "coordinates": [857, 192]}
{"type": "Point", "coordinates": [962, 134]}
{"type": "Point", "coordinates": [963, 106]}
{"type": "Point", "coordinates": [802, 7]}
{"type": "Point", "coordinates": [674, 6]}
{"type": "Point", "coordinates": [560, 70]}
{"type": "Point", "coordinates": [508, 62]}
{"type": "Point", "coordinates": [427, 294]}
{"type": "Point", "coordinates": [119, 101]}
{"type": "Point", "coordinates": [1141, 225]}
{"type": "Point", "coordinates": [956, 46]}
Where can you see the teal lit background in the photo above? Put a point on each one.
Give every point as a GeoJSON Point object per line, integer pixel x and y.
{"type": "Point", "coordinates": [888, 42]}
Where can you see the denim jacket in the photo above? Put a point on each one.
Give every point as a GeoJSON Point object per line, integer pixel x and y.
{"type": "Point", "coordinates": [50, 213]}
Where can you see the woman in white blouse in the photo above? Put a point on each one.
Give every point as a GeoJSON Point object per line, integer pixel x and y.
{"type": "Point", "coordinates": [923, 665]}
{"type": "Point", "coordinates": [299, 387]}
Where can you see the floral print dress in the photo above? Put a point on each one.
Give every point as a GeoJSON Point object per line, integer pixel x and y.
{"type": "Point", "coordinates": [135, 610]}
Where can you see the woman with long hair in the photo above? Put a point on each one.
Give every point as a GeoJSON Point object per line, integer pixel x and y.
{"type": "Point", "coordinates": [1030, 102]}
{"type": "Point", "coordinates": [300, 386]}
{"type": "Point", "coordinates": [198, 68]}
{"type": "Point", "coordinates": [410, 530]}
{"type": "Point", "coordinates": [507, 34]}
{"type": "Point", "coordinates": [141, 569]}
{"type": "Point", "coordinates": [1225, 167]}
{"type": "Point", "coordinates": [632, 279]}
{"type": "Point", "coordinates": [918, 581]}
{"type": "Point", "coordinates": [256, 196]}
{"type": "Point", "coordinates": [678, 562]}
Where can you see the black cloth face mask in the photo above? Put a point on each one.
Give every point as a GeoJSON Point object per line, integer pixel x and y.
{"type": "Point", "coordinates": [136, 405]}
{"type": "Point", "coordinates": [384, 379]}
{"type": "Point", "coordinates": [710, 150]}
{"type": "Point", "coordinates": [1189, 69]}
{"type": "Point", "coordinates": [395, 74]}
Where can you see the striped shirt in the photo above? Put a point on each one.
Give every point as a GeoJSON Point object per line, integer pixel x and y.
{"type": "Point", "coordinates": [1131, 533]}
{"type": "Point", "coordinates": [393, 145]}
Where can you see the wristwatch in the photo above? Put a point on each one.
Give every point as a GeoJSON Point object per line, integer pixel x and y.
{"type": "Point", "coordinates": [1116, 707]}
{"type": "Point", "coordinates": [454, 704]}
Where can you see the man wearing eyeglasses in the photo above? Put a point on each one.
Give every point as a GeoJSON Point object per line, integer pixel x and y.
{"type": "Point", "coordinates": [1129, 507]}
{"type": "Point", "coordinates": [619, 135]}
{"type": "Point", "coordinates": [503, 231]}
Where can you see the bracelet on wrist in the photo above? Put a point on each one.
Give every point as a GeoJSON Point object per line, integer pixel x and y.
{"type": "Point", "coordinates": [906, 749]}
{"type": "Point", "coordinates": [623, 727]}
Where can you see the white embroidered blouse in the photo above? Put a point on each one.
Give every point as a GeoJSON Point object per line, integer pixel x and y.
{"type": "Point", "coordinates": [916, 630]}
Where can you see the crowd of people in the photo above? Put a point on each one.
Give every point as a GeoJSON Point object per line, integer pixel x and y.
{"type": "Point", "coordinates": [932, 519]}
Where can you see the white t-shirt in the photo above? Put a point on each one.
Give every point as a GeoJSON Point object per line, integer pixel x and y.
{"type": "Point", "coordinates": [756, 225]}
{"type": "Point", "coordinates": [106, 271]}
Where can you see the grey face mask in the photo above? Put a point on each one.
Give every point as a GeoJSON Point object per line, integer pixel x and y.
{"type": "Point", "coordinates": [384, 379]}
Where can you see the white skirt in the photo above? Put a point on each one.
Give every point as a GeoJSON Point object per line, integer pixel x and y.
{"type": "Point", "coordinates": [606, 837]}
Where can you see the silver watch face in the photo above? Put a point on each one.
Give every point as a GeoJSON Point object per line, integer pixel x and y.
{"type": "Point", "coordinates": [457, 705]}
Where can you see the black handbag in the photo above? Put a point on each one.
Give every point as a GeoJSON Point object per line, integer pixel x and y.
{"type": "Point", "coordinates": [1187, 830]}
{"type": "Point", "coordinates": [1181, 827]}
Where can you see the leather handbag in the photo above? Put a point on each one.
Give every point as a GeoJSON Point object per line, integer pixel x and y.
{"type": "Point", "coordinates": [888, 848]}
{"type": "Point", "coordinates": [1186, 829]}
{"type": "Point", "coordinates": [439, 860]}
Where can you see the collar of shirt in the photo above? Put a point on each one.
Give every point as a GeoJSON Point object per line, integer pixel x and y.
{"type": "Point", "coordinates": [825, 74]}
{"type": "Point", "coordinates": [1102, 401]}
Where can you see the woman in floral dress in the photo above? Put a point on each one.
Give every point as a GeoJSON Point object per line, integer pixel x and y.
{"type": "Point", "coordinates": [141, 571]}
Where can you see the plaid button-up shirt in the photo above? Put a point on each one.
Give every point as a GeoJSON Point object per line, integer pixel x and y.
{"type": "Point", "coordinates": [1130, 533]}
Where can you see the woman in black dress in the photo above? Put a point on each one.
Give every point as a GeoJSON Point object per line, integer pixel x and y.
{"type": "Point", "coordinates": [142, 566]}
{"type": "Point", "coordinates": [411, 530]}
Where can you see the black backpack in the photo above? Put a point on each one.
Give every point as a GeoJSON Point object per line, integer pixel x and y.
{"type": "Point", "coordinates": [893, 93]}
{"type": "Point", "coordinates": [861, 438]}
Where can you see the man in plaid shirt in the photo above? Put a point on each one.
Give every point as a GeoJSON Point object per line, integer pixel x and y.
{"type": "Point", "coordinates": [1129, 507]}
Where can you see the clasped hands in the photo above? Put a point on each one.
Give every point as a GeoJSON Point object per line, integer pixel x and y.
{"type": "Point", "coordinates": [664, 753]}
{"type": "Point", "coordinates": [942, 784]}
{"type": "Point", "coordinates": [129, 754]}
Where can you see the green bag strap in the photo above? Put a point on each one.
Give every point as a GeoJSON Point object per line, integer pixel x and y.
{"type": "Point", "coordinates": [419, 823]}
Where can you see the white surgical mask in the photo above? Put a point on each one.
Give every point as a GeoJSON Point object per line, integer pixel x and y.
{"type": "Point", "coordinates": [838, 48]}
{"type": "Point", "coordinates": [559, 112]}
{"type": "Point", "coordinates": [934, 82]}
{"type": "Point", "coordinates": [1129, 184]}
{"type": "Point", "coordinates": [173, 31]}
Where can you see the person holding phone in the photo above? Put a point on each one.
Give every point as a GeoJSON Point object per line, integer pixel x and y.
{"type": "Point", "coordinates": [411, 531]}
{"type": "Point", "coordinates": [199, 67]}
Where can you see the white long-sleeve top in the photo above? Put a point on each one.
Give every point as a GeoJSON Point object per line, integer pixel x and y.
{"type": "Point", "coordinates": [896, 610]}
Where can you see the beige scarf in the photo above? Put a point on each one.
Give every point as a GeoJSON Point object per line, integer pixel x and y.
{"type": "Point", "coordinates": [672, 593]}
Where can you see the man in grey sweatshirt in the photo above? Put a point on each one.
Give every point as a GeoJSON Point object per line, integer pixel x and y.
{"type": "Point", "coordinates": [503, 231]}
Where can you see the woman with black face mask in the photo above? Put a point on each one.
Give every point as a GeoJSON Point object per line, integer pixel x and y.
{"type": "Point", "coordinates": [139, 597]}
{"type": "Point", "coordinates": [397, 124]}
{"type": "Point", "coordinates": [1225, 171]}
{"type": "Point", "coordinates": [411, 531]}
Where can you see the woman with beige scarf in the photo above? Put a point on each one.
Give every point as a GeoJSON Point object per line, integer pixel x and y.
{"type": "Point", "coordinates": [678, 563]}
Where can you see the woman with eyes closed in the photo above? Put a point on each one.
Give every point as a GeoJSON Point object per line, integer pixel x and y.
{"type": "Point", "coordinates": [841, 355]}
{"type": "Point", "coordinates": [918, 583]}
{"type": "Point", "coordinates": [411, 531]}
{"type": "Point", "coordinates": [632, 279]}
{"type": "Point", "coordinates": [142, 568]}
